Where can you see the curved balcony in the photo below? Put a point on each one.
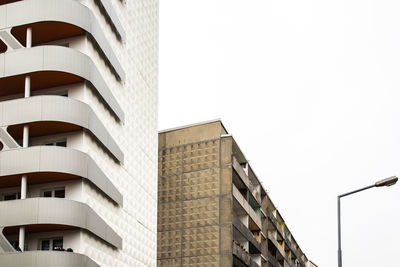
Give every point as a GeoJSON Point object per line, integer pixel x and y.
{"type": "Point", "coordinates": [109, 10]}
{"type": "Point", "coordinates": [46, 259]}
{"type": "Point", "coordinates": [61, 213]}
{"type": "Point", "coordinates": [70, 66]}
{"type": "Point", "coordinates": [50, 163]}
{"type": "Point", "coordinates": [55, 20]}
{"type": "Point", "coordinates": [55, 114]}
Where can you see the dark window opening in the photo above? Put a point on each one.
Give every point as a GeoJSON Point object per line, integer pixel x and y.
{"type": "Point", "coordinates": [12, 196]}
{"type": "Point", "coordinates": [62, 143]}
{"type": "Point", "coordinates": [58, 244]}
{"type": "Point", "coordinates": [45, 245]}
{"type": "Point", "coordinates": [58, 193]}
{"type": "Point", "coordinates": [52, 244]}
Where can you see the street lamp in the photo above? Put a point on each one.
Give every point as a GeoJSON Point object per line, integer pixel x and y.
{"type": "Point", "coordinates": [385, 182]}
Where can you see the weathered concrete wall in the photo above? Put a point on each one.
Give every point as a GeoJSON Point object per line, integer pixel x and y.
{"type": "Point", "coordinates": [194, 134]}
{"type": "Point", "coordinates": [201, 177]}
{"type": "Point", "coordinates": [194, 201]}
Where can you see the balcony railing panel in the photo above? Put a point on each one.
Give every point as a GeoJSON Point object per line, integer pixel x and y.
{"type": "Point", "coordinates": [46, 259]}
{"type": "Point", "coordinates": [58, 59]}
{"type": "Point", "coordinates": [32, 211]}
{"type": "Point", "coordinates": [58, 109]}
{"type": "Point", "coordinates": [38, 159]}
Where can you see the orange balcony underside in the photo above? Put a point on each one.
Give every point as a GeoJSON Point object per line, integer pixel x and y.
{"type": "Point", "coordinates": [44, 32]}
{"type": "Point", "coordinates": [38, 228]}
{"type": "Point", "coordinates": [36, 178]}
{"type": "Point", "coordinates": [39, 80]}
{"type": "Point", "coordinates": [3, 47]}
{"type": "Point", "coordinates": [42, 128]}
{"type": "Point", "coordinates": [4, 2]}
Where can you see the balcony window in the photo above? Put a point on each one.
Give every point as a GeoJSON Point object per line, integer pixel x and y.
{"type": "Point", "coordinates": [62, 143]}
{"type": "Point", "coordinates": [58, 193]}
{"type": "Point", "coordinates": [45, 245]}
{"type": "Point", "coordinates": [11, 196]}
{"type": "Point", "coordinates": [52, 244]}
{"type": "Point", "coordinates": [58, 244]}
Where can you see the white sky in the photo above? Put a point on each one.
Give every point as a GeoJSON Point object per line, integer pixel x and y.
{"type": "Point", "coordinates": [310, 91]}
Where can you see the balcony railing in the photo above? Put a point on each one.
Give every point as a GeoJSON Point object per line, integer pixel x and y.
{"type": "Point", "coordinates": [246, 232]}
{"type": "Point", "coordinates": [246, 207]}
{"type": "Point", "coordinates": [245, 179]}
{"type": "Point", "coordinates": [57, 212]}
{"type": "Point", "coordinates": [274, 221]}
{"type": "Point", "coordinates": [46, 259]}
{"type": "Point", "coordinates": [53, 159]}
{"type": "Point", "coordinates": [69, 62]}
{"type": "Point", "coordinates": [60, 113]}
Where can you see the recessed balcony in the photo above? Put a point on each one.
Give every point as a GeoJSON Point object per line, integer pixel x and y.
{"type": "Point", "coordinates": [37, 178]}
{"type": "Point", "coordinates": [50, 115]}
{"type": "Point", "coordinates": [15, 84]}
{"type": "Point", "coordinates": [52, 66]}
{"type": "Point", "coordinates": [46, 32]}
{"type": "Point", "coordinates": [44, 164]}
{"type": "Point", "coordinates": [55, 20]}
{"type": "Point", "coordinates": [242, 207]}
{"type": "Point", "coordinates": [242, 234]}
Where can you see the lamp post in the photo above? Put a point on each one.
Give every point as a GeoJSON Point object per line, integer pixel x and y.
{"type": "Point", "coordinates": [385, 182]}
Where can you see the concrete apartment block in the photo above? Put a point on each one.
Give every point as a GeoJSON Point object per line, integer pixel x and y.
{"type": "Point", "coordinates": [212, 209]}
{"type": "Point", "coordinates": [78, 132]}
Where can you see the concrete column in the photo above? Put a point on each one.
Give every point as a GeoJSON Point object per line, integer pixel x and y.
{"type": "Point", "coordinates": [21, 238]}
{"type": "Point", "coordinates": [29, 37]}
{"type": "Point", "coordinates": [25, 141]}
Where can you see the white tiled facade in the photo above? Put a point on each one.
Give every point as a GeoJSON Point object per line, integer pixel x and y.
{"type": "Point", "coordinates": [136, 135]}
{"type": "Point", "coordinates": [136, 179]}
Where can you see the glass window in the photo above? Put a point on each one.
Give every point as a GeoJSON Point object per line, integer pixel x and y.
{"type": "Point", "coordinates": [59, 193]}
{"type": "Point", "coordinates": [61, 143]}
{"type": "Point", "coordinates": [45, 245]}
{"type": "Point", "coordinates": [58, 244]}
{"type": "Point", "coordinates": [52, 244]}
{"type": "Point", "coordinates": [56, 192]}
{"type": "Point", "coordinates": [12, 196]}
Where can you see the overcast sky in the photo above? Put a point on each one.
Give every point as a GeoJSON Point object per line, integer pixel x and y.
{"type": "Point", "coordinates": [310, 90]}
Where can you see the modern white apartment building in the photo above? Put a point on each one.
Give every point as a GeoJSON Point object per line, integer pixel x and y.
{"type": "Point", "coordinates": [78, 132]}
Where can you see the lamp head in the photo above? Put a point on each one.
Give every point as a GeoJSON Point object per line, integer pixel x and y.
{"type": "Point", "coordinates": [387, 182]}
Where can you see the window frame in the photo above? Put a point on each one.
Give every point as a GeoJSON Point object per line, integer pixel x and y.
{"type": "Point", "coordinates": [51, 243]}
{"type": "Point", "coordinates": [54, 142]}
{"type": "Point", "coordinates": [53, 191]}
{"type": "Point", "coordinates": [16, 194]}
